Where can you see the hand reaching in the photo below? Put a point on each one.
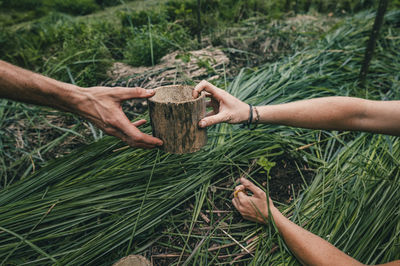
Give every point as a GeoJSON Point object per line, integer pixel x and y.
{"type": "Point", "coordinates": [226, 108]}
{"type": "Point", "coordinates": [102, 106]}
{"type": "Point", "coordinates": [255, 207]}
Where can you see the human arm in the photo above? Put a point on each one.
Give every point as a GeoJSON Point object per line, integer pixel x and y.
{"type": "Point", "coordinates": [330, 113]}
{"type": "Point", "coordinates": [308, 248]}
{"type": "Point", "coordinates": [100, 105]}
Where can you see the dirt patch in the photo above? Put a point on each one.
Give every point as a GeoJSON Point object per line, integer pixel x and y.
{"type": "Point", "coordinates": [175, 68]}
{"type": "Point", "coordinates": [286, 182]}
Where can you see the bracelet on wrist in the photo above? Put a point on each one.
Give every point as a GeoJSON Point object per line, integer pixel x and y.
{"type": "Point", "coordinates": [257, 119]}
{"type": "Point", "coordinates": [250, 120]}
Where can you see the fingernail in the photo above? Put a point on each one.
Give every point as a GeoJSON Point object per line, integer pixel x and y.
{"type": "Point", "coordinates": [202, 124]}
{"type": "Point", "coordinates": [150, 91]}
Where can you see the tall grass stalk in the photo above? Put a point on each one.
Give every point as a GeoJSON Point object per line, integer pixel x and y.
{"type": "Point", "coordinates": [151, 42]}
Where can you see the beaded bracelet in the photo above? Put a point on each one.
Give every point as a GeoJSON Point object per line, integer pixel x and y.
{"type": "Point", "coordinates": [257, 116]}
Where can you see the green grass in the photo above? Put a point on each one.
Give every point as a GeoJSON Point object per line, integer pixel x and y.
{"type": "Point", "coordinates": [80, 49]}
{"type": "Point", "coordinates": [100, 202]}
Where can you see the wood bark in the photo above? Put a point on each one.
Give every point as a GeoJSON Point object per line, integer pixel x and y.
{"type": "Point", "coordinates": [175, 115]}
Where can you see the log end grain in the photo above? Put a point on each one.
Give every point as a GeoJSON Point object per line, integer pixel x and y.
{"type": "Point", "coordinates": [174, 116]}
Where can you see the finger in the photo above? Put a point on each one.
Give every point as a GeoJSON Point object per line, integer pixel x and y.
{"type": "Point", "coordinates": [236, 193]}
{"type": "Point", "coordinates": [150, 140]}
{"type": "Point", "coordinates": [124, 138]}
{"type": "Point", "coordinates": [142, 145]}
{"type": "Point", "coordinates": [253, 188]}
{"type": "Point", "coordinates": [212, 120]}
{"type": "Point", "coordinates": [208, 87]}
{"type": "Point", "coordinates": [210, 113]}
{"type": "Point", "coordinates": [125, 93]}
{"type": "Point", "coordinates": [116, 130]}
{"type": "Point", "coordinates": [139, 122]}
{"type": "Point", "coordinates": [116, 133]}
{"type": "Point", "coordinates": [240, 187]}
{"type": "Point", "coordinates": [237, 189]}
{"type": "Point", "coordinates": [235, 203]}
{"type": "Point", "coordinates": [241, 196]}
{"type": "Point", "coordinates": [135, 136]}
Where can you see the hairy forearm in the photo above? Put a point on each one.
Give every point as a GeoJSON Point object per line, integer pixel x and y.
{"type": "Point", "coordinates": [308, 248]}
{"type": "Point", "coordinates": [336, 113]}
{"type": "Point", "coordinates": [23, 85]}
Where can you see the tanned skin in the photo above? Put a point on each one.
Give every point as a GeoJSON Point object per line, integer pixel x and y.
{"type": "Point", "coordinates": [330, 113]}
{"type": "Point", "coordinates": [100, 105]}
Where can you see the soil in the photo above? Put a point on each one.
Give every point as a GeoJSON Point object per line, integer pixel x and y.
{"type": "Point", "coordinates": [284, 185]}
{"type": "Point", "coordinates": [175, 68]}
{"type": "Point", "coordinates": [286, 181]}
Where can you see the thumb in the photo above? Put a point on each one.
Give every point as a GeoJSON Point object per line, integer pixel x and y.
{"type": "Point", "coordinates": [139, 122]}
{"type": "Point", "coordinates": [253, 188]}
{"type": "Point", "coordinates": [128, 93]}
{"type": "Point", "coordinates": [212, 120]}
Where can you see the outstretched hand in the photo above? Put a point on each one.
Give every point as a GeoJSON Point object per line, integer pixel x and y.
{"type": "Point", "coordinates": [226, 108]}
{"type": "Point", "coordinates": [255, 207]}
{"type": "Point", "coordinates": [102, 106]}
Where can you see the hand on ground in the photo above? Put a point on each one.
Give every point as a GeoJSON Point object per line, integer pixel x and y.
{"type": "Point", "coordinates": [255, 207]}
{"type": "Point", "coordinates": [226, 108]}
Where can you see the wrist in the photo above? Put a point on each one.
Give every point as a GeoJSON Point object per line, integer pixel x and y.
{"type": "Point", "coordinates": [269, 212]}
{"type": "Point", "coordinates": [253, 116]}
{"type": "Point", "coordinates": [54, 93]}
{"type": "Point", "coordinates": [243, 117]}
{"type": "Point", "coordinates": [71, 98]}
{"type": "Point", "coordinates": [277, 217]}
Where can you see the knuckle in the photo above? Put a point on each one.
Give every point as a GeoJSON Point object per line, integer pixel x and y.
{"type": "Point", "coordinates": [263, 196]}
{"type": "Point", "coordinates": [139, 138]}
{"type": "Point", "coordinates": [137, 90]}
{"type": "Point", "coordinates": [110, 121]}
{"type": "Point", "coordinates": [109, 131]}
{"type": "Point", "coordinates": [228, 117]}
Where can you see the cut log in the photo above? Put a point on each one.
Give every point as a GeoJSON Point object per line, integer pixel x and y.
{"type": "Point", "coordinates": [175, 115]}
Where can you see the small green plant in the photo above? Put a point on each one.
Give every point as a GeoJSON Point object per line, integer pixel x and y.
{"type": "Point", "coordinates": [185, 57]}
{"type": "Point", "coordinates": [206, 64]}
{"type": "Point", "coordinates": [266, 164]}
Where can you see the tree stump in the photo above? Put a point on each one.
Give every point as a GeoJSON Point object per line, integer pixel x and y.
{"type": "Point", "coordinates": [175, 115]}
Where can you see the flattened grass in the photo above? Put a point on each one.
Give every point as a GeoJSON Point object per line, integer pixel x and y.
{"type": "Point", "coordinates": [88, 207]}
